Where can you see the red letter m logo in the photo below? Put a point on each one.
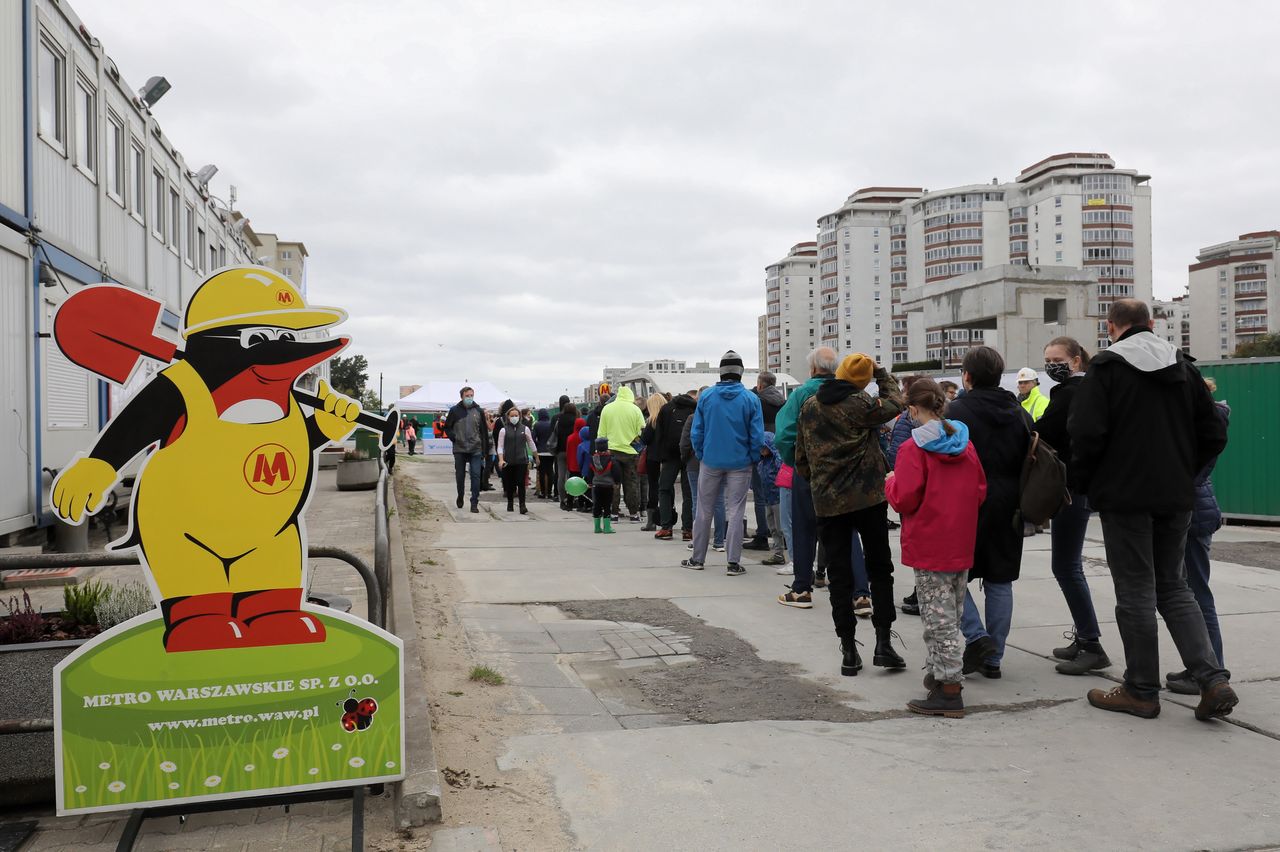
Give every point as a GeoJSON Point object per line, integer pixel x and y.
{"type": "Point", "coordinates": [267, 472]}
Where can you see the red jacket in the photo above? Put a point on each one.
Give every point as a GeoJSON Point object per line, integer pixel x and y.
{"type": "Point", "coordinates": [938, 496]}
{"type": "Point", "coordinates": [571, 448]}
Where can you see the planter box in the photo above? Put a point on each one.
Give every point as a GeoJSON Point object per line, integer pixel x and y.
{"type": "Point", "coordinates": [26, 692]}
{"type": "Point", "coordinates": [329, 458]}
{"type": "Point", "coordinates": [359, 475]}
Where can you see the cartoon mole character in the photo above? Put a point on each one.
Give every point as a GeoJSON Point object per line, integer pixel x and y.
{"type": "Point", "coordinates": [217, 507]}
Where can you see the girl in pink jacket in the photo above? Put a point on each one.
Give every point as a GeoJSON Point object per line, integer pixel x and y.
{"type": "Point", "coordinates": [936, 486]}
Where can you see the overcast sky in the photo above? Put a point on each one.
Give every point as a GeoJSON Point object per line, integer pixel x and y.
{"type": "Point", "coordinates": [526, 192]}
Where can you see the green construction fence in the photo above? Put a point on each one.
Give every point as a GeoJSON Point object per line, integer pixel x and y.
{"type": "Point", "coordinates": [1247, 478]}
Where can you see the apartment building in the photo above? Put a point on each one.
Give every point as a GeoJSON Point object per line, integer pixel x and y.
{"type": "Point", "coordinates": [287, 258]}
{"type": "Point", "coordinates": [1233, 290]}
{"type": "Point", "coordinates": [791, 297]}
{"type": "Point", "coordinates": [91, 190]}
{"type": "Point", "coordinates": [1172, 321]}
{"type": "Point", "coordinates": [1068, 210]}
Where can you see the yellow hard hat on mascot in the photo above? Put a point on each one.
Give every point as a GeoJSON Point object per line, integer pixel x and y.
{"type": "Point", "coordinates": [253, 296]}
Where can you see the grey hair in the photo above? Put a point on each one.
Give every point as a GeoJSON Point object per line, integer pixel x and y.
{"type": "Point", "coordinates": [822, 360]}
{"type": "Point", "coordinates": [767, 379]}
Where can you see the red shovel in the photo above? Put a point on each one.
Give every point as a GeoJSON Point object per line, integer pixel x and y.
{"type": "Point", "coordinates": [107, 329]}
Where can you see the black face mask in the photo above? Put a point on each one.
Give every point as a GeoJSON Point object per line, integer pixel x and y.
{"type": "Point", "coordinates": [1058, 371]}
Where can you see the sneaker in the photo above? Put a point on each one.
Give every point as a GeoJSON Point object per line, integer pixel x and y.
{"type": "Point", "coordinates": [617, 518]}
{"type": "Point", "coordinates": [820, 578]}
{"type": "Point", "coordinates": [663, 535]}
{"type": "Point", "coordinates": [1182, 683]}
{"type": "Point", "coordinates": [686, 535]}
{"type": "Point", "coordinates": [799, 600]}
{"type": "Point", "coordinates": [756, 544]}
{"type": "Point", "coordinates": [1216, 702]}
{"type": "Point", "coordinates": [691, 564]}
{"type": "Point", "coordinates": [635, 519]}
{"type": "Point", "coordinates": [774, 560]}
{"type": "Point", "coordinates": [1119, 700]}
{"type": "Point", "coordinates": [862, 607]}
{"type": "Point", "coordinates": [459, 501]}
{"type": "Point", "coordinates": [735, 570]}
{"type": "Point", "coordinates": [718, 548]}
{"type": "Point", "coordinates": [786, 571]}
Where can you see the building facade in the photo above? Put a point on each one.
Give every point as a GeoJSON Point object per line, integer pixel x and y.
{"type": "Point", "coordinates": [1074, 210]}
{"type": "Point", "coordinates": [791, 287]}
{"type": "Point", "coordinates": [1233, 292]}
{"type": "Point", "coordinates": [91, 190]}
{"type": "Point", "coordinates": [1172, 321]}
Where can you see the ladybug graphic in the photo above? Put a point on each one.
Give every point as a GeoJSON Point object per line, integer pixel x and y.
{"type": "Point", "coordinates": [357, 715]}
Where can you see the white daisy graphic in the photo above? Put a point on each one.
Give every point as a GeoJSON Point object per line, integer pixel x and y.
{"type": "Point", "coordinates": [336, 746]}
{"type": "Point", "coordinates": [213, 781]}
{"type": "Point", "coordinates": [104, 765]}
{"type": "Point", "coordinates": [313, 771]}
{"type": "Point", "coordinates": [391, 764]}
{"type": "Point", "coordinates": [280, 753]}
{"type": "Point", "coordinates": [81, 788]}
{"type": "Point", "coordinates": [173, 785]}
{"type": "Point", "coordinates": [168, 766]}
{"type": "Point", "coordinates": [249, 767]}
{"type": "Point", "coordinates": [115, 786]}
{"type": "Point", "coordinates": [357, 762]}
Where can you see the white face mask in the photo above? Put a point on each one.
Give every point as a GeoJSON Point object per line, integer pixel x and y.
{"type": "Point", "coordinates": [513, 419]}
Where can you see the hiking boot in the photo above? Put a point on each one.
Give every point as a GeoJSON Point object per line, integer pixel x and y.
{"type": "Point", "coordinates": [475, 508]}
{"type": "Point", "coordinates": [734, 570]}
{"type": "Point", "coordinates": [943, 700]}
{"type": "Point", "coordinates": [884, 655]}
{"type": "Point", "coordinates": [757, 544]}
{"type": "Point", "coordinates": [1182, 683]}
{"type": "Point", "coordinates": [663, 535]}
{"type": "Point", "coordinates": [851, 661]}
{"type": "Point", "coordinates": [799, 600]}
{"type": "Point", "coordinates": [511, 506]}
{"type": "Point", "coordinates": [774, 560]}
{"type": "Point", "coordinates": [911, 604]}
{"type": "Point", "coordinates": [990, 672]}
{"type": "Point", "coordinates": [976, 653]}
{"type": "Point", "coordinates": [686, 535]}
{"type": "Point", "coordinates": [1216, 702]}
{"type": "Point", "coordinates": [523, 509]}
{"type": "Point", "coordinates": [862, 607]}
{"type": "Point", "coordinates": [820, 578]}
{"type": "Point", "coordinates": [1119, 700]}
{"type": "Point", "coordinates": [691, 564]}
{"type": "Point", "coordinates": [1091, 657]}
{"type": "Point", "coordinates": [1068, 652]}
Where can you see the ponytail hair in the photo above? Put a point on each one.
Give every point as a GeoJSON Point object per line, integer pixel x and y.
{"type": "Point", "coordinates": [927, 394]}
{"type": "Point", "coordinates": [1074, 350]}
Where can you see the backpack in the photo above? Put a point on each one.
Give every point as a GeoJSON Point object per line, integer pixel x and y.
{"type": "Point", "coordinates": [1043, 483]}
{"type": "Point", "coordinates": [552, 443]}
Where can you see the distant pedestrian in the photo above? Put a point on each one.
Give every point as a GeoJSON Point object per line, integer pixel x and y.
{"type": "Point", "coordinates": [767, 472]}
{"type": "Point", "coordinates": [837, 451]}
{"type": "Point", "coordinates": [603, 481]}
{"type": "Point", "coordinates": [411, 436]}
{"type": "Point", "coordinates": [727, 435]}
{"type": "Point", "coordinates": [771, 402]}
{"type": "Point", "coordinates": [1206, 519]}
{"type": "Point", "coordinates": [1029, 395]}
{"type": "Point", "coordinates": [621, 422]}
{"type": "Point", "coordinates": [566, 426]}
{"type": "Point", "coordinates": [937, 487]}
{"type": "Point", "coordinates": [1065, 362]}
{"type": "Point", "coordinates": [1000, 431]}
{"type": "Point", "coordinates": [465, 425]}
{"type": "Point", "coordinates": [515, 449]}
{"type": "Point", "coordinates": [546, 459]}
{"type": "Point", "coordinates": [666, 447]}
{"type": "Point", "coordinates": [1143, 425]}
{"type": "Point", "coordinates": [950, 389]}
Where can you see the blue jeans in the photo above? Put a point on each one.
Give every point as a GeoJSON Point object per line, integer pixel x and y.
{"type": "Point", "coordinates": [461, 463]}
{"type": "Point", "coordinates": [784, 511]}
{"type": "Point", "coordinates": [999, 616]}
{"type": "Point", "coordinates": [762, 511]}
{"type": "Point", "coordinates": [1196, 558]}
{"type": "Point", "coordinates": [1067, 538]}
{"type": "Point", "coordinates": [804, 539]}
{"type": "Point", "coordinates": [718, 516]}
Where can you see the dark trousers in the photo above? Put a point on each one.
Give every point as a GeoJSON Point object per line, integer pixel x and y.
{"type": "Point", "coordinates": [462, 462]}
{"type": "Point", "coordinates": [413, 442]}
{"type": "Point", "coordinates": [514, 477]}
{"type": "Point", "coordinates": [1145, 553]}
{"type": "Point", "coordinates": [667, 496]}
{"type": "Point", "coordinates": [1067, 536]}
{"type": "Point", "coordinates": [625, 467]}
{"type": "Point", "coordinates": [686, 500]}
{"type": "Point", "coordinates": [601, 500]}
{"type": "Point", "coordinates": [546, 475]}
{"type": "Point", "coordinates": [1197, 561]}
{"type": "Point", "coordinates": [836, 533]}
{"type": "Point", "coordinates": [653, 471]}
{"type": "Point", "coordinates": [762, 511]}
{"type": "Point", "coordinates": [804, 534]}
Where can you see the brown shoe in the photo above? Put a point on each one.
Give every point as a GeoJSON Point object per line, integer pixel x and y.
{"type": "Point", "coordinates": [1119, 700]}
{"type": "Point", "coordinates": [1216, 702]}
{"type": "Point", "coordinates": [686, 535]}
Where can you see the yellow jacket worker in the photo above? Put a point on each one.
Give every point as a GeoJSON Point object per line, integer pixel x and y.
{"type": "Point", "coordinates": [217, 508]}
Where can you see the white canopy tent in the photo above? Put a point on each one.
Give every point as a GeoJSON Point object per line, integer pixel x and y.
{"type": "Point", "coordinates": [443, 394]}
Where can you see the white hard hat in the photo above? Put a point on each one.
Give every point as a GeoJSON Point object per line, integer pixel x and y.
{"type": "Point", "coordinates": [1026, 374]}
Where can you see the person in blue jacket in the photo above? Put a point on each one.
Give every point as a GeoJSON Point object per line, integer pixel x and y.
{"type": "Point", "coordinates": [727, 436]}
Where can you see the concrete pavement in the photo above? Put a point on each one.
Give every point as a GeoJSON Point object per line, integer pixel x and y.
{"type": "Point", "coordinates": [1038, 769]}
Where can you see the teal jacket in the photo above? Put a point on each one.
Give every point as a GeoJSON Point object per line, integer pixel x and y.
{"type": "Point", "coordinates": [785, 438]}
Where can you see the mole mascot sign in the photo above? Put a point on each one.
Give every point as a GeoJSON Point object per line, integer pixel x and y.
{"type": "Point", "coordinates": [234, 686]}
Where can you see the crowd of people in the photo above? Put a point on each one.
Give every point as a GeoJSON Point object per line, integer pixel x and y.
{"type": "Point", "coordinates": [1135, 427]}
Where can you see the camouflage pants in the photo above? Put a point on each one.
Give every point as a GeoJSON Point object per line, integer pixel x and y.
{"type": "Point", "coordinates": [941, 595]}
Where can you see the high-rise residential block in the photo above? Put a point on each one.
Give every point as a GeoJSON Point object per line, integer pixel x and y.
{"type": "Point", "coordinates": [791, 297]}
{"type": "Point", "coordinates": [1233, 288]}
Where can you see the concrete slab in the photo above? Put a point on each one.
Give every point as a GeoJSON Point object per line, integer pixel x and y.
{"type": "Point", "coordinates": [556, 701]}
{"type": "Point", "coordinates": [533, 670]}
{"type": "Point", "coordinates": [996, 781]}
{"type": "Point", "coordinates": [468, 839]}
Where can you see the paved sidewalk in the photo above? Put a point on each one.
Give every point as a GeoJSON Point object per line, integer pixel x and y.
{"type": "Point", "coordinates": [750, 740]}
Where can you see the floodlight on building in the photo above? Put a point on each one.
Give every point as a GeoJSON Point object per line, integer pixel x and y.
{"type": "Point", "coordinates": [205, 175]}
{"type": "Point", "coordinates": [153, 90]}
{"type": "Point", "coordinates": [48, 277]}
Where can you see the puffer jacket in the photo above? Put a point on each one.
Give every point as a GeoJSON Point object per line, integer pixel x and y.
{"type": "Point", "coordinates": [838, 445]}
{"type": "Point", "coordinates": [901, 432]}
{"type": "Point", "coordinates": [767, 468]}
{"type": "Point", "coordinates": [1206, 516]}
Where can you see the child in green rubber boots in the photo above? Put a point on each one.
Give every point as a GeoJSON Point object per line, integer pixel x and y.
{"type": "Point", "coordinates": [603, 479]}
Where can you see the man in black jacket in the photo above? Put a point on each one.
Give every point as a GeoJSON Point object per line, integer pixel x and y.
{"type": "Point", "coordinates": [1142, 424]}
{"type": "Point", "coordinates": [771, 402]}
{"type": "Point", "coordinates": [666, 450]}
{"type": "Point", "coordinates": [466, 428]}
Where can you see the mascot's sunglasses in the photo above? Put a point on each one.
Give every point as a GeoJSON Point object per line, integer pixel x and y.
{"type": "Point", "coordinates": [250, 337]}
